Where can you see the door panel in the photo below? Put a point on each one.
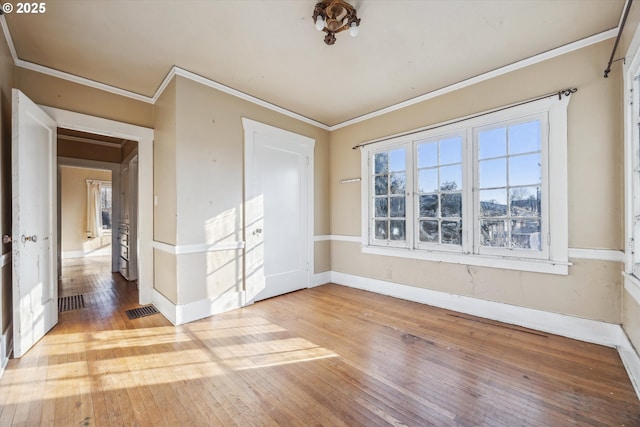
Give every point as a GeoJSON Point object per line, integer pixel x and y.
{"type": "Point", "coordinates": [33, 175]}
{"type": "Point", "coordinates": [277, 231]}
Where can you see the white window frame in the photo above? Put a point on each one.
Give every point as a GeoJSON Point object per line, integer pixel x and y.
{"type": "Point", "coordinates": [553, 258]}
{"type": "Point", "coordinates": [631, 100]}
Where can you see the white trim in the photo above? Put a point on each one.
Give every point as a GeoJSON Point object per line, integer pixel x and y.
{"type": "Point", "coordinates": [630, 360]}
{"type": "Point", "coordinates": [7, 36]}
{"type": "Point", "coordinates": [6, 346]}
{"type": "Point", "coordinates": [164, 306]}
{"type": "Point", "coordinates": [576, 253]}
{"type": "Point", "coordinates": [83, 81]}
{"type": "Point", "coordinates": [201, 309]}
{"type": "Point", "coordinates": [5, 259]}
{"type": "Point", "coordinates": [338, 238]}
{"type": "Point", "coordinates": [597, 254]}
{"type": "Point", "coordinates": [554, 323]}
{"type": "Point", "coordinates": [179, 314]}
{"type": "Point", "coordinates": [144, 137]}
{"type": "Point", "coordinates": [553, 53]}
{"type": "Point", "coordinates": [197, 248]}
{"type": "Point", "coordinates": [321, 278]}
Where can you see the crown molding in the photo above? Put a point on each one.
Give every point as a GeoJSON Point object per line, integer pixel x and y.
{"type": "Point", "coordinates": [177, 71]}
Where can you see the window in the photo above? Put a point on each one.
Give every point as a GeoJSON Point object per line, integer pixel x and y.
{"type": "Point", "coordinates": [105, 206]}
{"type": "Point", "coordinates": [633, 169]}
{"type": "Point", "coordinates": [474, 192]}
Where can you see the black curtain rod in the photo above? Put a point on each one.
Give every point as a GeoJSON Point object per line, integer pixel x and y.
{"type": "Point", "coordinates": [615, 45]}
{"type": "Point", "coordinates": [559, 94]}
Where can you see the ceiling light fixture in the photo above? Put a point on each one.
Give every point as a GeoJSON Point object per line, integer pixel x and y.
{"type": "Point", "coordinates": [334, 16]}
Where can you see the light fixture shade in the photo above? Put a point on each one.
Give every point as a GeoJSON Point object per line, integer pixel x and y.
{"type": "Point", "coordinates": [353, 30]}
{"type": "Point", "coordinates": [319, 23]}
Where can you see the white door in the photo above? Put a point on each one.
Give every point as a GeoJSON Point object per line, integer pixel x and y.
{"type": "Point", "coordinates": [33, 176]}
{"type": "Point", "coordinates": [278, 195]}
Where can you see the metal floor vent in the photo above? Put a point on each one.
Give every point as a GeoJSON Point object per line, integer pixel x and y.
{"type": "Point", "coordinates": [136, 313]}
{"type": "Point", "coordinates": [69, 303]}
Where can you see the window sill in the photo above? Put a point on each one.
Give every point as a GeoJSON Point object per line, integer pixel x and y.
{"type": "Point", "coordinates": [519, 264]}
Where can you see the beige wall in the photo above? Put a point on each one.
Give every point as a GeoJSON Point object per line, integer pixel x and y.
{"type": "Point", "coordinates": [198, 170]}
{"type": "Point", "coordinates": [592, 289]}
{"type": "Point", "coordinates": [73, 200]}
{"type": "Point", "coordinates": [7, 82]}
{"type": "Point", "coordinates": [164, 170]}
{"type": "Point", "coordinates": [59, 93]}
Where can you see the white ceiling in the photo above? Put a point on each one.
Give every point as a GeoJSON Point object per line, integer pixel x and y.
{"type": "Point", "coordinates": [270, 49]}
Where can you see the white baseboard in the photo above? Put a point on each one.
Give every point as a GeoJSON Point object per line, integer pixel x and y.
{"type": "Point", "coordinates": [631, 360]}
{"type": "Point", "coordinates": [554, 323]}
{"type": "Point", "coordinates": [165, 306]}
{"type": "Point", "coordinates": [320, 279]}
{"type": "Point", "coordinates": [608, 334]}
{"type": "Point", "coordinates": [6, 346]}
{"type": "Point", "coordinates": [179, 314]}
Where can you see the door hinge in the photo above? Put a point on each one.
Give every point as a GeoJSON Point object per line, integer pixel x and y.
{"type": "Point", "coordinates": [630, 96]}
{"type": "Point", "coordinates": [307, 160]}
{"type": "Point", "coordinates": [631, 245]}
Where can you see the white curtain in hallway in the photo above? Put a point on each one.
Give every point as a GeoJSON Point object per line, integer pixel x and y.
{"type": "Point", "coordinates": [94, 222]}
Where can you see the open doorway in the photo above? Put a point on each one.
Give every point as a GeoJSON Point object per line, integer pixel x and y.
{"type": "Point", "coordinates": [97, 199]}
{"type": "Point", "coordinates": [86, 227]}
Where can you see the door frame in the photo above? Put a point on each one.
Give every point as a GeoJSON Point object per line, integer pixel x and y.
{"type": "Point", "coordinates": [144, 136]}
{"type": "Point", "coordinates": [251, 127]}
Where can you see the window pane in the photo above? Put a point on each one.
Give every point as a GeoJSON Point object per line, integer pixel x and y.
{"type": "Point", "coordinates": [381, 185]}
{"type": "Point", "coordinates": [451, 178]}
{"type": "Point", "coordinates": [427, 154]}
{"type": "Point", "coordinates": [524, 137]}
{"type": "Point", "coordinates": [429, 205]}
{"type": "Point", "coordinates": [398, 183]}
{"type": "Point", "coordinates": [397, 160]}
{"type": "Point", "coordinates": [452, 232]}
{"type": "Point", "coordinates": [382, 163]}
{"type": "Point", "coordinates": [397, 207]}
{"type": "Point", "coordinates": [381, 229]}
{"type": "Point", "coordinates": [524, 170]}
{"type": "Point", "coordinates": [428, 180]}
{"type": "Point", "coordinates": [451, 204]}
{"type": "Point", "coordinates": [381, 207]}
{"type": "Point", "coordinates": [525, 234]}
{"type": "Point", "coordinates": [493, 202]}
{"type": "Point", "coordinates": [493, 173]}
{"type": "Point", "coordinates": [492, 143]}
{"type": "Point", "coordinates": [494, 233]}
{"type": "Point", "coordinates": [398, 231]}
{"type": "Point", "coordinates": [429, 231]}
{"type": "Point", "coordinates": [451, 150]}
{"type": "Point", "coordinates": [525, 201]}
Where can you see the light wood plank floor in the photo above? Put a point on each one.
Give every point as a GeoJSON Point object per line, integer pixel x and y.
{"type": "Point", "coordinates": [328, 356]}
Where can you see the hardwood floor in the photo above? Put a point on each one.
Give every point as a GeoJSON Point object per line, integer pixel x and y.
{"type": "Point", "coordinates": [328, 356]}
